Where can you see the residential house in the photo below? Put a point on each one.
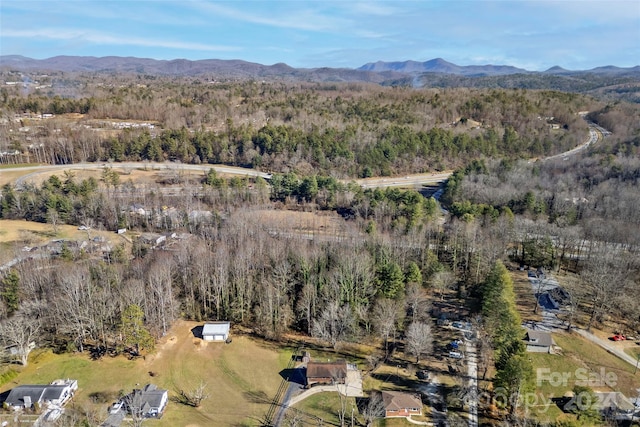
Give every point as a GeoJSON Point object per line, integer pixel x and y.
{"type": "Point", "coordinates": [538, 341]}
{"type": "Point", "coordinates": [401, 404]}
{"type": "Point", "coordinates": [326, 372]}
{"type": "Point", "coordinates": [216, 331]}
{"type": "Point", "coordinates": [148, 402]}
{"type": "Point", "coordinates": [55, 394]}
{"type": "Point", "coordinates": [615, 405]}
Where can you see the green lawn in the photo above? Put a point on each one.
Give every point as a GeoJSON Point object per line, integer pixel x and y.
{"type": "Point", "coordinates": [325, 406]}
{"type": "Point", "coordinates": [581, 362]}
{"type": "Point", "coordinates": [633, 351]}
{"type": "Point", "coordinates": [241, 377]}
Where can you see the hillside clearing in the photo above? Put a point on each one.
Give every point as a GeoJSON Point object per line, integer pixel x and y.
{"type": "Point", "coordinates": [241, 377]}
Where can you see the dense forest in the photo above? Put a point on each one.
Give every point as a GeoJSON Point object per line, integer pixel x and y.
{"type": "Point", "coordinates": [397, 249]}
{"type": "Point", "coordinates": [343, 130]}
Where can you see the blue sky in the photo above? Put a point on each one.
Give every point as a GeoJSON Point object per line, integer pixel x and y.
{"type": "Point", "coordinates": [575, 34]}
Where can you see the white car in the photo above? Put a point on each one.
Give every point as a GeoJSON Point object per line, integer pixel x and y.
{"type": "Point", "coordinates": [116, 407]}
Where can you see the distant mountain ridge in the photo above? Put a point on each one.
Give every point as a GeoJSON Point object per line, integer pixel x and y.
{"type": "Point", "coordinates": [439, 65]}
{"type": "Point", "coordinates": [370, 72]}
{"type": "Point", "coordinates": [608, 82]}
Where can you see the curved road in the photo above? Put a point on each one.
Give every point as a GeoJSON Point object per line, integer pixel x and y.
{"type": "Point", "coordinates": [596, 133]}
{"type": "Point", "coordinates": [230, 170]}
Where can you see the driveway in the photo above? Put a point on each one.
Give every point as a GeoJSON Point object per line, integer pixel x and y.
{"type": "Point", "coordinates": [550, 322]}
{"type": "Point", "coordinates": [609, 346]}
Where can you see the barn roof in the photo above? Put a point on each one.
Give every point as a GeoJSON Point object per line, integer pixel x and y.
{"type": "Point", "coordinates": [216, 328]}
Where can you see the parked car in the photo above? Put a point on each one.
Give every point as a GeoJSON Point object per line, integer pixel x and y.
{"type": "Point", "coordinates": [618, 337]}
{"type": "Point", "coordinates": [116, 407]}
{"type": "Point", "coordinates": [455, 355]}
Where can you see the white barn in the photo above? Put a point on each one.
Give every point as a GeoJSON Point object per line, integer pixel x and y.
{"type": "Point", "coordinates": [216, 331]}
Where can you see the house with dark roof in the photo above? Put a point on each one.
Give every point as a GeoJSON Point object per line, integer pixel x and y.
{"type": "Point", "coordinates": [616, 405]}
{"type": "Point", "coordinates": [326, 372]}
{"type": "Point", "coordinates": [401, 404]}
{"type": "Point", "coordinates": [148, 402]}
{"type": "Point", "coordinates": [538, 341]}
{"type": "Point", "coordinates": [55, 394]}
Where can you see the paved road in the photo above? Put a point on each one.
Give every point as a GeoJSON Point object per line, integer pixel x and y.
{"type": "Point", "coordinates": [231, 170]}
{"type": "Point", "coordinates": [596, 133]}
{"type": "Point", "coordinates": [550, 323]}
{"type": "Point", "coordinates": [472, 385]}
{"type": "Point", "coordinates": [405, 181]}
{"type": "Point", "coordinates": [610, 346]}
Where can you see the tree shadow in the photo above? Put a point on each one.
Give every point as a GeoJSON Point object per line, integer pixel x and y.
{"type": "Point", "coordinates": [197, 331]}
{"type": "Point", "coordinates": [257, 397]}
{"type": "Point", "coordinates": [397, 380]}
{"type": "Point", "coordinates": [3, 396]}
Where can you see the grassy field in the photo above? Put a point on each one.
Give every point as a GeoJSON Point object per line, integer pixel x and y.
{"type": "Point", "coordinates": [525, 300]}
{"type": "Point", "coordinates": [580, 360]}
{"type": "Point", "coordinates": [325, 406]}
{"type": "Point", "coordinates": [241, 377]}
{"type": "Point", "coordinates": [31, 232]}
{"type": "Point", "coordinates": [583, 363]}
{"type": "Point", "coordinates": [16, 234]}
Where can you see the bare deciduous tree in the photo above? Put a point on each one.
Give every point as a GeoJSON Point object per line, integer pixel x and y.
{"type": "Point", "coordinates": [18, 333]}
{"type": "Point", "coordinates": [385, 317]}
{"type": "Point", "coordinates": [442, 281]}
{"type": "Point", "coordinates": [374, 409]}
{"type": "Point", "coordinates": [334, 324]}
{"type": "Point", "coordinates": [195, 396]}
{"type": "Point", "coordinates": [419, 339]}
{"type": "Point", "coordinates": [417, 302]}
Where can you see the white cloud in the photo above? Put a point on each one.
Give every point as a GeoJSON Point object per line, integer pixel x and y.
{"type": "Point", "coordinates": [107, 39]}
{"type": "Point", "coordinates": [374, 8]}
{"type": "Point", "coordinates": [291, 18]}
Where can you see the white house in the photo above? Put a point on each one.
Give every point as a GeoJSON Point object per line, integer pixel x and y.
{"type": "Point", "coordinates": [55, 394]}
{"type": "Point", "coordinates": [216, 331]}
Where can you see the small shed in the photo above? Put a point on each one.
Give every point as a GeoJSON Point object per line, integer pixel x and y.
{"type": "Point", "coordinates": [216, 331]}
{"type": "Point", "coordinates": [538, 341]}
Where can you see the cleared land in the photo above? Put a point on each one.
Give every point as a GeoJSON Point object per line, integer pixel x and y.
{"type": "Point", "coordinates": [242, 377]}
{"type": "Point", "coordinates": [579, 360]}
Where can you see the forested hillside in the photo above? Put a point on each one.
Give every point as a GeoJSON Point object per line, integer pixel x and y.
{"type": "Point", "coordinates": [346, 130]}
{"type": "Point", "coordinates": [391, 251]}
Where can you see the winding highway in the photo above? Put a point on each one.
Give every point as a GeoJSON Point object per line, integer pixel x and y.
{"type": "Point", "coordinates": [596, 133]}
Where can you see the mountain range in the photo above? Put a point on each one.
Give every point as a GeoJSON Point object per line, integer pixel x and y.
{"type": "Point", "coordinates": [372, 72]}
{"type": "Point", "coordinates": [609, 82]}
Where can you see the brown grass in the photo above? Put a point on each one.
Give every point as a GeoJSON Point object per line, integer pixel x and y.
{"type": "Point", "coordinates": [525, 299]}
{"type": "Point", "coordinates": [240, 376]}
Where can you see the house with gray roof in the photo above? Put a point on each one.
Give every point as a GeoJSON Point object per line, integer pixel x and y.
{"type": "Point", "coordinates": [216, 331]}
{"type": "Point", "coordinates": [56, 394]}
{"type": "Point", "coordinates": [538, 341]}
{"type": "Point", "coordinates": [148, 402]}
